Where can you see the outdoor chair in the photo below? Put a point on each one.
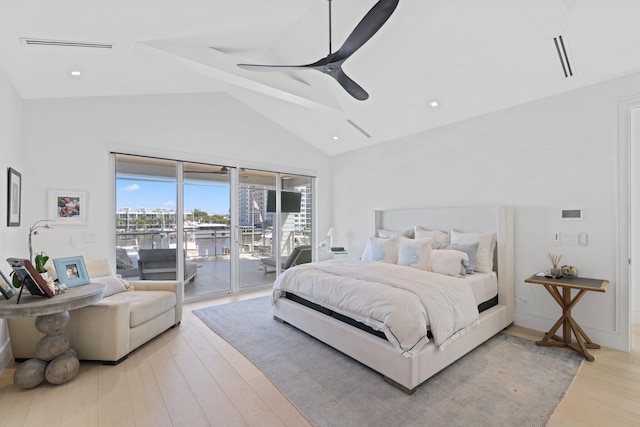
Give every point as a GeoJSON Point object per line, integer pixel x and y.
{"type": "Point", "coordinates": [160, 264]}
{"type": "Point", "coordinates": [300, 255]}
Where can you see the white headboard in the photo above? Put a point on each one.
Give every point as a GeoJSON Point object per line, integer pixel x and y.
{"type": "Point", "coordinates": [482, 219]}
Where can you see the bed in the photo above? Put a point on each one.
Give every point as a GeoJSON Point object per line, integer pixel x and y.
{"type": "Point", "coordinates": [406, 367]}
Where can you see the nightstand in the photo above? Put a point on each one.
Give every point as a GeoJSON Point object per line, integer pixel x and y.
{"type": "Point", "coordinates": [339, 253]}
{"type": "Point", "coordinates": [564, 300]}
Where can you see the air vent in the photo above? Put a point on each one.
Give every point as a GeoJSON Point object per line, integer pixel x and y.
{"type": "Point", "coordinates": [358, 128]}
{"type": "Point", "coordinates": [562, 55]}
{"type": "Point", "coordinates": [65, 43]}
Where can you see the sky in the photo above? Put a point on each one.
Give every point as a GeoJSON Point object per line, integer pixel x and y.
{"type": "Point", "coordinates": [151, 194]}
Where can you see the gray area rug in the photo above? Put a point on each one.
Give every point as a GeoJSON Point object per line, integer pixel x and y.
{"type": "Point", "coordinates": [507, 381]}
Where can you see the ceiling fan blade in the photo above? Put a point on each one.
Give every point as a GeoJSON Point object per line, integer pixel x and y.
{"type": "Point", "coordinates": [349, 85]}
{"type": "Point", "coordinates": [368, 26]}
{"type": "Point", "coordinates": [273, 68]}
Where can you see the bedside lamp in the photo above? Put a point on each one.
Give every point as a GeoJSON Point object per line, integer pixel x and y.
{"type": "Point", "coordinates": [330, 235]}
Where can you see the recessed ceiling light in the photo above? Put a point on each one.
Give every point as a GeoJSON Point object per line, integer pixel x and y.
{"type": "Point", "coordinates": [75, 73]}
{"type": "Point", "coordinates": [335, 138]}
{"type": "Point", "coordinates": [434, 103]}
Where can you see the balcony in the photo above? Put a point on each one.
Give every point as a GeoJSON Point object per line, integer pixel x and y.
{"type": "Point", "coordinates": [211, 254]}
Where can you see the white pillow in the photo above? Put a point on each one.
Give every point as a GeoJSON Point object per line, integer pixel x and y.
{"type": "Point", "coordinates": [449, 262]}
{"type": "Point", "coordinates": [385, 234]}
{"type": "Point", "coordinates": [112, 285]}
{"type": "Point", "coordinates": [415, 253]}
{"type": "Point", "coordinates": [486, 248]}
{"type": "Point", "coordinates": [380, 249]}
{"type": "Point", "coordinates": [440, 238]}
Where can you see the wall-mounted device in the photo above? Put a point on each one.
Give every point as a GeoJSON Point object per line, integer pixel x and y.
{"type": "Point", "coordinates": [572, 214]}
{"type": "Point", "coordinates": [582, 238]}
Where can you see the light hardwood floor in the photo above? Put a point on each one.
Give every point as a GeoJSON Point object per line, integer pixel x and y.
{"type": "Point", "coordinates": [189, 376]}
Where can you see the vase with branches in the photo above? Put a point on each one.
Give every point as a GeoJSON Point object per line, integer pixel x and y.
{"type": "Point", "coordinates": [555, 260]}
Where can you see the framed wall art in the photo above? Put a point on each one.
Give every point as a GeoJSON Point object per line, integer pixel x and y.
{"type": "Point", "coordinates": [14, 198]}
{"type": "Point", "coordinates": [71, 271]}
{"type": "Point", "coordinates": [68, 207]}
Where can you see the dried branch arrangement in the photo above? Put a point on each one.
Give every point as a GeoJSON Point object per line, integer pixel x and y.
{"type": "Point", "coordinates": [555, 259]}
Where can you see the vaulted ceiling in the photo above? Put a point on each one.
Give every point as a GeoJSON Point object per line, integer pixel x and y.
{"type": "Point", "coordinates": [471, 56]}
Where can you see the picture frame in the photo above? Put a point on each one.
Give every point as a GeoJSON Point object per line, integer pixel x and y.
{"type": "Point", "coordinates": [30, 277]}
{"type": "Point", "coordinates": [14, 197]}
{"type": "Point", "coordinates": [68, 207]}
{"type": "Point", "coordinates": [71, 271]}
{"type": "Point", "coordinates": [6, 288]}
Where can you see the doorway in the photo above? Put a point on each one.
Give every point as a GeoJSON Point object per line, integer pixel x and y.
{"type": "Point", "coordinates": [629, 215]}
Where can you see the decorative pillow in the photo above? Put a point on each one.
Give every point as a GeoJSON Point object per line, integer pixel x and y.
{"type": "Point", "coordinates": [440, 238]}
{"type": "Point", "coordinates": [486, 248]}
{"type": "Point", "coordinates": [449, 262]}
{"type": "Point", "coordinates": [113, 285]}
{"type": "Point", "coordinates": [471, 250]}
{"type": "Point", "coordinates": [383, 249]}
{"type": "Point", "coordinates": [415, 253]}
{"type": "Point", "coordinates": [386, 234]}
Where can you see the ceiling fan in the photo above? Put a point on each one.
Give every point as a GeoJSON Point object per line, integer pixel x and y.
{"type": "Point", "coordinates": [332, 63]}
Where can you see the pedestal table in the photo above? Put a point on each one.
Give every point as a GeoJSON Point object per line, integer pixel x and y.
{"type": "Point", "coordinates": [54, 361]}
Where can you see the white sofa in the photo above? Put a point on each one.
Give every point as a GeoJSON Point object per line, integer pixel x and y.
{"type": "Point", "coordinates": [110, 329]}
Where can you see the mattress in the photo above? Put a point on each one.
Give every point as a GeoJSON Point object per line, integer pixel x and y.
{"type": "Point", "coordinates": [483, 285]}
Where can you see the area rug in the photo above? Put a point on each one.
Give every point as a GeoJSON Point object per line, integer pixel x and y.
{"type": "Point", "coordinates": [507, 381]}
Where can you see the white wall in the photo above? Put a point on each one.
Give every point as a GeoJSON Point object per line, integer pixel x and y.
{"type": "Point", "coordinates": [540, 157]}
{"type": "Point", "coordinates": [13, 240]}
{"type": "Point", "coordinates": [68, 141]}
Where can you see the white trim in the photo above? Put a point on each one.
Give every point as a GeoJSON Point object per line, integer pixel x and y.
{"type": "Point", "coordinates": [623, 196]}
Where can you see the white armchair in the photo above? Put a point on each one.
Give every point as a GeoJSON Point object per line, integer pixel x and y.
{"type": "Point", "coordinates": [110, 329]}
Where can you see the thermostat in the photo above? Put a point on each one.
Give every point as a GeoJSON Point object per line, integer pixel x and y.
{"type": "Point", "coordinates": [572, 214]}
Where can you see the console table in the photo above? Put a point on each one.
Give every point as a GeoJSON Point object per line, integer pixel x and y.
{"type": "Point", "coordinates": [55, 360]}
{"type": "Point", "coordinates": [560, 290]}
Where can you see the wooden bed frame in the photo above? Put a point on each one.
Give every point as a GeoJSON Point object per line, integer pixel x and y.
{"type": "Point", "coordinates": [379, 354]}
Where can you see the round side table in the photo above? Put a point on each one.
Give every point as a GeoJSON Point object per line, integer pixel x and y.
{"type": "Point", "coordinates": [55, 361]}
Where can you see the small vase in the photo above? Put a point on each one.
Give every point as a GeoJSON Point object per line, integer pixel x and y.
{"type": "Point", "coordinates": [555, 272]}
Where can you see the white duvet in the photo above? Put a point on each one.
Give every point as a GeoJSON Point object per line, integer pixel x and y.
{"type": "Point", "coordinates": [400, 301]}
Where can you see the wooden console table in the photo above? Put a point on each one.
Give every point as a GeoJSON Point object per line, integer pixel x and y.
{"type": "Point", "coordinates": [55, 361]}
{"type": "Point", "coordinates": [569, 324]}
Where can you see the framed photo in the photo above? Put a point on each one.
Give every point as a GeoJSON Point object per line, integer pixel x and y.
{"type": "Point", "coordinates": [30, 277]}
{"type": "Point", "coordinates": [6, 288]}
{"type": "Point", "coordinates": [14, 198]}
{"type": "Point", "coordinates": [71, 271]}
{"type": "Point", "coordinates": [68, 207]}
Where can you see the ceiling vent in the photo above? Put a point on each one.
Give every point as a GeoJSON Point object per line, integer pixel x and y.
{"type": "Point", "coordinates": [358, 128]}
{"type": "Point", "coordinates": [65, 43]}
{"type": "Point", "coordinates": [562, 55]}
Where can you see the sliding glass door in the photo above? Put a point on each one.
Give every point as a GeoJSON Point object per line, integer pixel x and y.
{"type": "Point", "coordinates": [146, 194]}
{"type": "Point", "coordinates": [219, 229]}
{"type": "Point", "coordinates": [255, 228]}
{"type": "Point", "coordinates": [207, 230]}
